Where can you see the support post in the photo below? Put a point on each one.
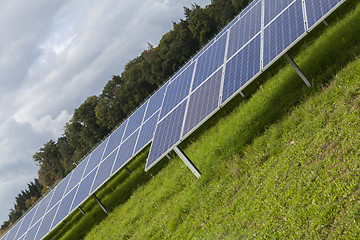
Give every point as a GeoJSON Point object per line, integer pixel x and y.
{"type": "Point", "coordinates": [127, 169]}
{"type": "Point", "coordinates": [100, 204]}
{"type": "Point", "coordinates": [242, 95]}
{"type": "Point", "coordinates": [298, 70]}
{"type": "Point", "coordinates": [187, 161]}
{"type": "Point", "coordinates": [81, 210]}
{"type": "Point", "coordinates": [168, 156]}
{"type": "Point", "coordinates": [325, 23]}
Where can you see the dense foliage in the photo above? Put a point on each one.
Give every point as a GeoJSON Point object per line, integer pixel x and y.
{"type": "Point", "coordinates": [99, 115]}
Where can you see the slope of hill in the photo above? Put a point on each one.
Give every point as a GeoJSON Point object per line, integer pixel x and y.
{"type": "Point", "coordinates": [282, 163]}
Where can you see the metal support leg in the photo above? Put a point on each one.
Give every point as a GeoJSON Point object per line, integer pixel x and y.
{"type": "Point", "coordinates": [242, 95]}
{"type": "Point", "coordinates": [100, 203]}
{"type": "Point", "coordinates": [128, 169]}
{"type": "Point", "coordinates": [168, 156]}
{"type": "Point", "coordinates": [187, 161]}
{"type": "Point", "coordinates": [82, 211]}
{"type": "Point", "coordinates": [297, 69]}
{"type": "Point", "coordinates": [325, 23]}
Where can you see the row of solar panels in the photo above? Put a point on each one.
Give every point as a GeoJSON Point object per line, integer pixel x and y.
{"type": "Point", "coordinates": [243, 50]}
{"type": "Point", "coordinates": [237, 55]}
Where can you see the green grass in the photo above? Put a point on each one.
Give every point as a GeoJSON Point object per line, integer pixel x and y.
{"type": "Point", "coordinates": [282, 164]}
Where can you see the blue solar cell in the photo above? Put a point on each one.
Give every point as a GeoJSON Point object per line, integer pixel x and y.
{"type": "Point", "coordinates": [95, 157]}
{"type": "Point", "coordinates": [75, 189]}
{"type": "Point", "coordinates": [227, 27]}
{"type": "Point", "coordinates": [76, 176]}
{"type": "Point", "coordinates": [245, 29]}
{"type": "Point", "coordinates": [84, 189]}
{"type": "Point", "coordinates": [155, 102]}
{"type": "Point", "coordinates": [13, 231]}
{"type": "Point", "coordinates": [283, 31]}
{"type": "Point", "coordinates": [273, 7]}
{"type": "Point", "coordinates": [125, 152]}
{"type": "Point", "coordinates": [30, 235]}
{"type": "Point", "coordinates": [59, 192]}
{"type": "Point", "coordinates": [46, 222]}
{"type": "Point", "coordinates": [104, 171]}
{"type": "Point", "coordinates": [177, 91]}
{"type": "Point", "coordinates": [203, 49]}
{"type": "Point", "coordinates": [241, 68]}
{"type": "Point", "coordinates": [203, 101]}
{"type": "Point", "coordinates": [315, 10]}
{"type": "Point", "coordinates": [249, 7]}
{"type": "Point", "coordinates": [26, 222]}
{"type": "Point", "coordinates": [43, 204]}
{"type": "Point", "coordinates": [146, 132]}
{"type": "Point", "coordinates": [211, 60]}
{"type": "Point", "coordinates": [135, 120]}
{"type": "Point", "coordinates": [64, 208]}
{"type": "Point", "coordinates": [115, 139]}
{"type": "Point", "coordinates": [21, 238]}
{"type": "Point", "coordinates": [167, 134]}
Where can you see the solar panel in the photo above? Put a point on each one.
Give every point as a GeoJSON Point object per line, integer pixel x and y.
{"type": "Point", "coordinates": [274, 7]}
{"type": "Point", "coordinates": [95, 157]}
{"type": "Point", "coordinates": [146, 132]}
{"type": "Point", "coordinates": [241, 68]}
{"type": "Point", "coordinates": [26, 222]}
{"type": "Point", "coordinates": [167, 134]}
{"type": "Point", "coordinates": [177, 91]}
{"type": "Point", "coordinates": [64, 207]}
{"type": "Point", "coordinates": [58, 192]}
{"type": "Point", "coordinates": [203, 101]}
{"type": "Point", "coordinates": [76, 176]}
{"type": "Point", "coordinates": [155, 102]}
{"type": "Point", "coordinates": [84, 189]}
{"type": "Point", "coordinates": [135, 120]}
{"type": "Point", "coordinates": [283, 32]}
{"type": "Point", "coordinates": [211, 60]}
{"type": "Point", "coordinates": [30, 235]}
{"type": "Point", "coordinates": [43, 204]}
{"type": "Point", "coordinates": [125, 152]}
{"type": "Point", "coordinates": [115, 139]}
{"type": "Point", "coordinates": [202, 50]}
{"type": "Point", "coordinates": [104, 171]}
{"type": "Point", "coordinates": [14, 230]}
{"type": "Point", "coordinates": [46, 222]}
{"type": "Point", "coordinates": [245, 29]}
{"type": "Point", "coordinates": [315, 10]}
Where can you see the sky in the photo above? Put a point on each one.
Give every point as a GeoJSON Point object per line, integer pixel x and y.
{"type": "Point", "coordinates": [55, 54]}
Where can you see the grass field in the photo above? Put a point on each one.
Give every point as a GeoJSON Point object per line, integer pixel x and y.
{"type": "Point", "coordinates": [283, 163]}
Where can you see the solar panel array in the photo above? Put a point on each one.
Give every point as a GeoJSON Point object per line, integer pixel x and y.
{"type": "Point", "coordinates": [250, 43]}
{"type": "Point", "coordinates": [255, 39]}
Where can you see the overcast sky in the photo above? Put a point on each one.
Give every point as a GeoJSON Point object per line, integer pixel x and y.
{"type": "Point", "coordinates": [53, 55]}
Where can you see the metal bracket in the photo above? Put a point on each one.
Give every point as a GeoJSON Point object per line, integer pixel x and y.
{"type": "Point", "coordinates": [100, 204]}
{"type": "Point", "coordinates": [187, 161]}
{"type": "Point", "coordinates": [242, 95]}
{"type": "Point", "coordinates": [127, 169]}
{"type": "Point", "coordinates": [81, 210]}
{"type": "Point", "coordinates": [325, 23]}
{"type": "Point", "coordinates": [298, 70]}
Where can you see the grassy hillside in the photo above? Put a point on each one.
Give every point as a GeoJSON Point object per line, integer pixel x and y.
{"type": "Point", "coordinates": [284, 163]}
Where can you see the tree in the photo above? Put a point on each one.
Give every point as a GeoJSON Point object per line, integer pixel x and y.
{"type": "Point", "coordinates": [49, 160]}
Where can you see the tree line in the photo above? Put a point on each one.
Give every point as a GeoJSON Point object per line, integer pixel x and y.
{"type": "Point", "coordinates": [95, 118]}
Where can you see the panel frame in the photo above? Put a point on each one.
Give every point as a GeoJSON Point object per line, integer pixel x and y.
{"type": "Point", "coordinates": [323, 17]}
